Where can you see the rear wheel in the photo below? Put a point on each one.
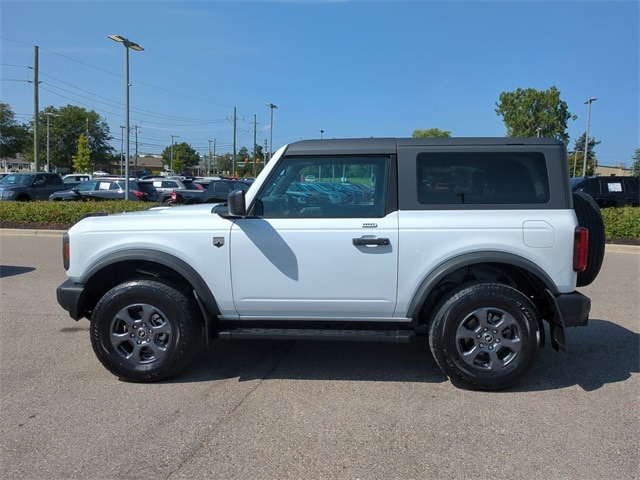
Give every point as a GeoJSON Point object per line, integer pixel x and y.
{"type": "Point", "coordinates": [144, 330]}
{"type": "Point", "coordinates": [485, 336]}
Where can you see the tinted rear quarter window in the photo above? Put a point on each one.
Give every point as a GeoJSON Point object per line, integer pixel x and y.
{"type": "Point", "coordinates": [484, 178]}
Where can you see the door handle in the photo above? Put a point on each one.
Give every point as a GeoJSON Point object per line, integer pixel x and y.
{"type": "Point", "coordinates": [358, 242]}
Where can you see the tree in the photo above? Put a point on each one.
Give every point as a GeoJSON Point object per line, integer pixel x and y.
{"type": "Point", "coordinates": [13, 135]}
{"type": "Point", "coordinates": [184, 157]}
{"type": "Point", "coordinates": [534, 113]}
{"type": "Point", "coordinates": [65, 127]}
{"type": "Point", "coordinates": [82, 158]}
{"type": "Point", "coordinates": [430, 132]}
{"type": "Point", "coordinates": [576, 157]}
{"type": "Point", "coordinates": [635, 168]}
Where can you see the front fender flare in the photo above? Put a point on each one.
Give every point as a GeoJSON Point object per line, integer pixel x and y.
{"type": "Point", "coordinates": [203, 293]}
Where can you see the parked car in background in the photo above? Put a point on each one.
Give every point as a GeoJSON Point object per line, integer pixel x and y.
{"type": "Point", "coordinates": [613, 191]}
{"type": "Point", "coordinates": [74, 179]}
{"type": "Point", "coordinates": [165, 187]}
{"type": "Point", "coordinates": [104, 188]}
{"type": "Point", "coordinates": [30, 186]}
{"type": "Point", "coordinates": [216, 191]}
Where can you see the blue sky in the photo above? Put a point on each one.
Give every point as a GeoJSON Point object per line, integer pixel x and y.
{"type": "Point", "coordinates": [350, 68]}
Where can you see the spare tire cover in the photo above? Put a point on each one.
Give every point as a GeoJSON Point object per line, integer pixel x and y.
{"type": "Point", "coordinates": [588, 214]}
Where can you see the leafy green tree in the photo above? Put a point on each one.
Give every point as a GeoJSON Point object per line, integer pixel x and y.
{"type": "Point", "coordinates": [66, 124]}
{"type": "Point", "coordinates": [82, 158]}
{"type": "Point", "coordinates": [534, 113]}
{"type": "Point", "coordinates": [576, 157]}
{"type": "Point", "coordinates": [430, 132]}
{"type": "Point", "coordinates": [635, 168]}
{"type": "Point", "coordinates": [13, 135]}
{"type": "Point", "coordinates": [184, 157]}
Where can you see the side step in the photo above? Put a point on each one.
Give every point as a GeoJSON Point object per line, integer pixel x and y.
{"type": "Point", "coordinates": [393, 336]}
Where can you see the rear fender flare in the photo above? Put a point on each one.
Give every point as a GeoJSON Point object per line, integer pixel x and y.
{"type": "Point", "coordinates": [441, 271]}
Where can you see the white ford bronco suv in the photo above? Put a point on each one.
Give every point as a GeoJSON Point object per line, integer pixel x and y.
{"type": "Point", "coordinates": [475, 243]}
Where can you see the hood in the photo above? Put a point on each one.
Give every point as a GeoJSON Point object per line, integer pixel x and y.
{"type": "Point", "coordinates": [157, 219]}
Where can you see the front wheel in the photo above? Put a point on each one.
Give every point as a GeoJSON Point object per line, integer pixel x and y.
{"type": "Point", "coordinates": [485, 336]}
{"type": "Point", "coordinates": [144, 330]}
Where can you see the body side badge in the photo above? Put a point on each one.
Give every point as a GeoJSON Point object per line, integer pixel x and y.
{"type": "Point", "coordinates": [218, 241]}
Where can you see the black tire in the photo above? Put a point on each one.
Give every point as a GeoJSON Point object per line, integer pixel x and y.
{"type": "Point", "coordinates": [145, 331]}
{"type": "Point", "coordinates": [485, 336]}
{"type": "Point", "coordinates": [589, 216]}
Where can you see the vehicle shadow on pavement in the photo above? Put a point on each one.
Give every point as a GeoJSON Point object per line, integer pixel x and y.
{"type": "Point", "coordinates": [315, 360]}
{"type": "Point", "coordinates": [11, 270]}
{"type": "Point", "coordinates": [600, 354]}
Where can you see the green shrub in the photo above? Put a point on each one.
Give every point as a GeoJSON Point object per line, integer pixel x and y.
{"type": "Point", "coordinates": [60, 214]}
{"type": "Point", "coordinates": [621, 222]}
{"type": "Point", "coordinates": [618, 222]}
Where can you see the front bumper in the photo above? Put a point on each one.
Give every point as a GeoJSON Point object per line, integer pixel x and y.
{"type": "Point", "coordinates": [70, 296]}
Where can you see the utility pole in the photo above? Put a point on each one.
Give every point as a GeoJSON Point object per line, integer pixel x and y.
{"type": "Point", "coordinates": [36, 111]}
{"type": "Point", "coordinates": [122, 127]}
{"type": "Point", "coordinates": [209, 167]}
{"type": "Point", "coordinates": [255, 150]}
{"type": "Point", "coordinates": [586, 137]}
{"type": "Point", "coordinates": [215, 160]}
{"type": "Point", "coordinates": [233, 159]}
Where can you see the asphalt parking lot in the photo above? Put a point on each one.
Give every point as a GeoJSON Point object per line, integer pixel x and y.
{"type": "Point", "coordinates": [314, 410]}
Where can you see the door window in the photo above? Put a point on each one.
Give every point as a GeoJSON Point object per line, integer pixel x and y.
{"type": "Point", "coordinates": [325, 187]}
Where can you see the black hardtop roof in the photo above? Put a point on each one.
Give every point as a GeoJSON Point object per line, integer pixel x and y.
{"type": "Point", "coordinates": [389, 145]}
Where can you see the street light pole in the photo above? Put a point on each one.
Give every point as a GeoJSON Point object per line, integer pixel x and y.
{"type": "Point", "coordinates": [121, 150]}
{"type": "Point", "coordinates": [209, 167]}
{"type": "Point", "coordinates": [49, 115]}
{"type": "Point", "coordinates": [171, 164]}
{"type": "Point", "coordinates": [321, 133]}
{"type": "Point", "coordinates": [586, 138]}
{"type": "Point", "coordinates": [271, 106]}
{"type": "Point", "coordinates": [134, 46]}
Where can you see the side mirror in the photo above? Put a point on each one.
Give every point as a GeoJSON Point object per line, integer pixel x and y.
{"type": "Point", "coordinates": [236, 204]}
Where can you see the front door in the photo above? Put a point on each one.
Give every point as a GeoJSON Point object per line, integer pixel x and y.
{"type": "Point", "coordinates": [305, 256]}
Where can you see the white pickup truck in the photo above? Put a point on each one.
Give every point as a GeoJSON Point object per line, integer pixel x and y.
{"type": "Point", "coordinates": [471, 242]}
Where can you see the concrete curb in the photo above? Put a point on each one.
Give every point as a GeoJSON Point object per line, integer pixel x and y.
{"type": "Point", "coordinates": [28, 232]}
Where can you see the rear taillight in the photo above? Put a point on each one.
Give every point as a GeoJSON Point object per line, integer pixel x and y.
{"type": "Point", "coordinates": [174, 196]}
{"type": "Point", "coordinates": [140, 194]}
{"type": "Point", "coordinates": [66, 252]}
{"type": "Point", "coordinates": [580, 249]}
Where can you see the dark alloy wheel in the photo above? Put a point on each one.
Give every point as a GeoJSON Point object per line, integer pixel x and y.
{"type": "Point", "coordinates": [485, 336]}
{"type": "Point", "coordinates": [144, 330]}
